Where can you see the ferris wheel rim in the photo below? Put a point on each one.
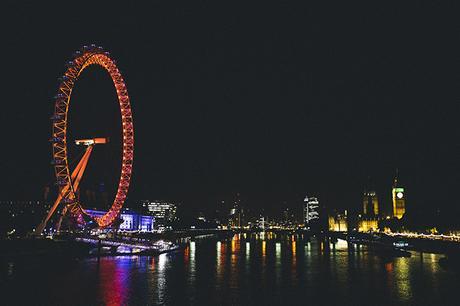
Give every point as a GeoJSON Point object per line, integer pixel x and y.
{"type": "Point", "coordinates": [84, 58]}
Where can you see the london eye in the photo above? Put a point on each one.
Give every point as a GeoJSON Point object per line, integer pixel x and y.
{"type": "Point", "coordinates": [67, 179]}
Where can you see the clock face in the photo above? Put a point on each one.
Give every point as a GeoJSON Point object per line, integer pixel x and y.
{"type": "Point", "coordinates": [399, 195]}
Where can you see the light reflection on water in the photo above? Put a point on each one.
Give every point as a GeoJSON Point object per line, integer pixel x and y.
{"type": "Point", "coordinates": [234, 267]}
{"type": "Point", "coordinates": [272, 270]}
{"type": "Point", "coordinates": [192, 257]}
{"type": "Point", "coordinates": [10, 268]}
{"type": "Point", "coordinates": [278, 263]}
{"type": "Point", "coordinates": [403, 282]}
{"type": "Point", "coordinates": [248, 250]}
{"type": "Point", "coordinates": [112, 292]}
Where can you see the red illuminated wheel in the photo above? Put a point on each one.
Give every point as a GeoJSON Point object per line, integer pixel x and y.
{"type": "Point", "coordinates": [87, 56]}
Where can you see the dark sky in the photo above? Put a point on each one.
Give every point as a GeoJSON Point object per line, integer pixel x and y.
{"type": "Point", "coordinates": [274, 101]}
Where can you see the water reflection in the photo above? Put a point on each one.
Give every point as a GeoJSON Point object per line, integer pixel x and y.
{"type": "Point", "coordinates": [341, 245]}
{"type": "Point", "coordinates": [113, 280]}
{"type": "Point", "coordinates": [294, 249]}
{"type": "Point", "coordinates": [403, 283]}
{"type": "Point", "coordinates": [187, 255]}
{"type": "Point", "coordinates": [220, 263]}
{"type": "Point", "coordinates": [283, 270]}
{"type": "Point", "coordinates": [434, 259]}
{"type": "Point", "coordinates": [389, 267]}
{"type": "Point", "coordinates": [294, 255]}
{"type": "Point", "coordinates": [263, 262]}
{"type": "Point", "coordinates": [264, 250]}
{"type": "Point", "coordinates": [308, 248]}
{"type": "Point", "coordinates": [248, 250]}
{"type": "Point", "coordinates": [162, 259]}
{"type": "Point", "coordinates": [235, 254]}
{"type": "Point", "coordinates": [235, 244]}
{"type": "Point", "coordinates": [161, 277]}
{"type": "Point", "coordinates": [10, 268]}
{"type": "Point", "coordinates": [192, 258]}
{"type": "Point", "coordinates": [278, 263]}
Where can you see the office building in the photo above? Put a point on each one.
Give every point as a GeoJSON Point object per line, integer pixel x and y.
{"type": "Point", "coordinates": [163, 212]}
{"type": "Point", "coordinates": [237, 215]}
{"type": "Point", "coordinates": [236, 218]}
{"type": "Point", "coordinates": [310, 211]}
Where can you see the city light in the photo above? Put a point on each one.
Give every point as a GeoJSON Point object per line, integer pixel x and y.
{"type": "Point", "coordinates": [301, 153]}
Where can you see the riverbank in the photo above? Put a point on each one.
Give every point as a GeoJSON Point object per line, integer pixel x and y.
{"type": "Point", "coordinates": [401, 242]}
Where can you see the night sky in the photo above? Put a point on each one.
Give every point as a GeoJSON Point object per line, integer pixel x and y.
{"type": "Point", "coordinates": [274, 101]}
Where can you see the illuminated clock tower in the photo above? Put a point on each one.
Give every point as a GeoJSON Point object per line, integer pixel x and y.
{"type": "Point", "coordinates": [399, 200]}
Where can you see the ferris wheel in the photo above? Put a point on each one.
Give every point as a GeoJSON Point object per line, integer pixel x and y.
{"type": "Point", "coordinates": [68, 180]}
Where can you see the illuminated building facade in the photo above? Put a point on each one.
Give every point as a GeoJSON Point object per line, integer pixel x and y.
{"type": "Point", "coordinates": [310, 211]}
{"type": "Point", "coordinates": [338, 222]}
{"type": "Point", "coordinates": [163, 212]}
{"type": "Point", "coordinates": [370, 203]}
{"type": "Point", "coordinates": [368, 224]}
{"type": "Point", "coordinates": [236, 217]}
{"type": "Point", "coordinates": [131, 221]}
{"type": "Point", "coordinates": [369, 220]}
{"type": "Point", "coordinates": [399, 200]}
{"type": "Point", "coordinates": [288, 218]}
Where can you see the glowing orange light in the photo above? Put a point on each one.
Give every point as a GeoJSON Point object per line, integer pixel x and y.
{"type": "Point", "coordinates": [89, 56]}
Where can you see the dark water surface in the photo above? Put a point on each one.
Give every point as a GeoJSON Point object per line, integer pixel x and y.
{"type": "Point", "coordinates": [283, 271]}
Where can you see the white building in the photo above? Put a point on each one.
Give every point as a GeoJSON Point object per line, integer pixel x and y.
{"type": "Point", "coordinates": [310, 210]}
{"type": "Point", "coordinates": [163, 212]}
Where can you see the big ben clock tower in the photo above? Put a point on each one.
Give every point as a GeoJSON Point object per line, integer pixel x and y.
{"type": "Point", "coordinates": [399, 199]}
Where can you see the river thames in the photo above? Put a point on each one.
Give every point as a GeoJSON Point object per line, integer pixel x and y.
{"type": "Point", "coordinates": [288, 270]}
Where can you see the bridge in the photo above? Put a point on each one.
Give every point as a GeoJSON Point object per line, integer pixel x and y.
{"type": "Point", "coordinates": [128, 246]}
